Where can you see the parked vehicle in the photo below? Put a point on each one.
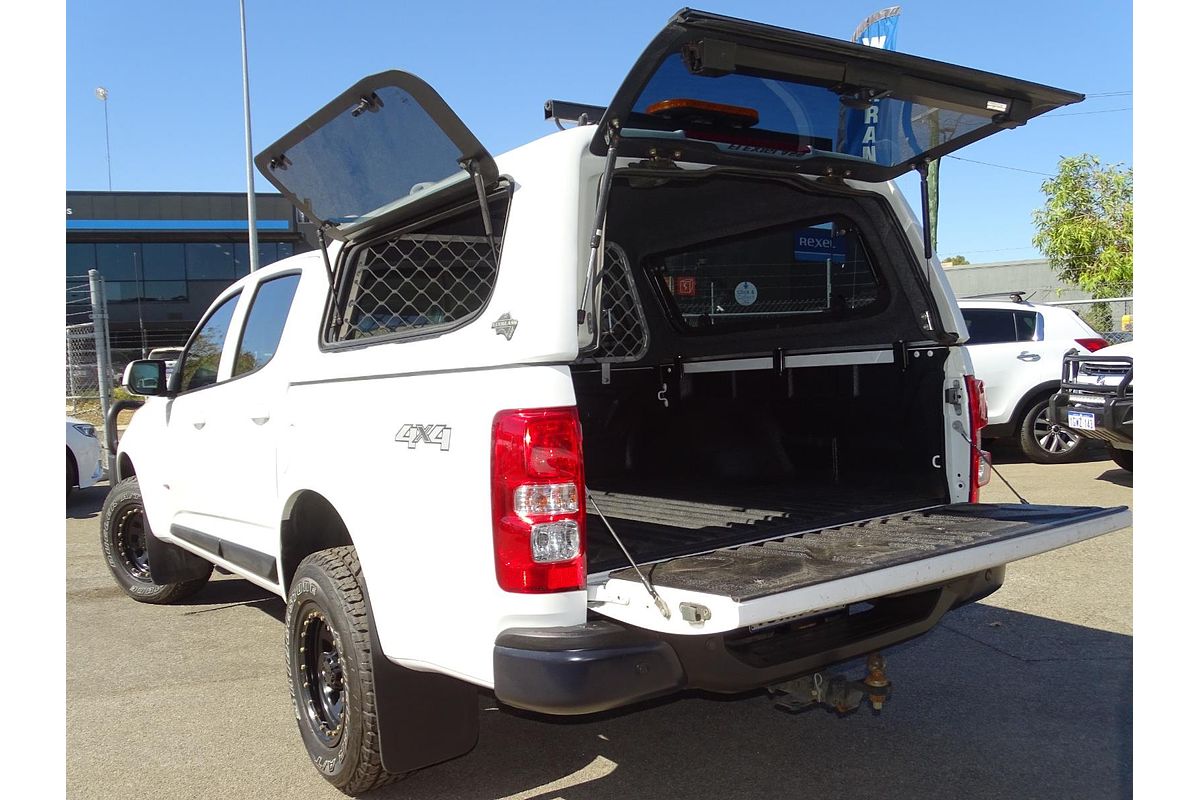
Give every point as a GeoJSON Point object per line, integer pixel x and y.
{"type": "Point", "coordinates": [1096, 399]}
{"type": "Point", "coordinates": [168, 354]}
{"type": "Point", "coordinates": [706, 300]}
{"type": "Point", "coordinates": [1017, 350]}
{"type": "Point", "coordinates": [84, 466]}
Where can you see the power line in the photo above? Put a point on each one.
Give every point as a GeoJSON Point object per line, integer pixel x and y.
{"type": "Point", "coordinates": [1001, 166]}
{"type": "Point", "coordinates": [990, 250]}
{"type": "Point", "coordinates": [1109, 94]}
{"type": "Point", "coordinates": [1082, 113]}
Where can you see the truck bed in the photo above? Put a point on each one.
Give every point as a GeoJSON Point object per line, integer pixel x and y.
{"type": "Point", "coordinates": [684, 520]}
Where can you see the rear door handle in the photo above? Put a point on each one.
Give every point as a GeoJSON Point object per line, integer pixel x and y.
{"type": "Point", "coordinates": [260, 419]}
{"type": "Point", "coordinates": [198, 424]}
{"type": "Point", "coordinates": [1028, 356]}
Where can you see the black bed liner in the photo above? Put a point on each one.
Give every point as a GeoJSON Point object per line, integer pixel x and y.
{"type": "Point", "coordinates": [669, 522]}
{"type": "Point", "coordinates": [804, 559]}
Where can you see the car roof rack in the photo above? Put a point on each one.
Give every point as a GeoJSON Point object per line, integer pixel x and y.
{"type": "Point", "coordinates": [1016, 297]}
{"type": "Point", "coordinates": [579, 113]}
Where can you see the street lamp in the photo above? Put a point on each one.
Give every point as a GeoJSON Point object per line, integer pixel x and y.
{"type": "Point", "coordinates": [251, 211]}
{"type": "Point", "coordinates": [102, 96]}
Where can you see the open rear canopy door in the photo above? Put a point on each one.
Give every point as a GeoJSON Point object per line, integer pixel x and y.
{"type": "Point", "coordinates": [718, 90]}
{"type": "Point", "coordinates": [385, 148]}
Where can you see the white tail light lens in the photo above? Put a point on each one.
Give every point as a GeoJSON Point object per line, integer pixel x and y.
{"type": "Point", "coordinates": [554, 498]}
{"type": "Point", "coordinates": [554, 541]}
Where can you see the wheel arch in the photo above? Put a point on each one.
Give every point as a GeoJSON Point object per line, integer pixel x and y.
{"type": "Point", "coordinates": [125, 467]}
{"type": "Point", "coordinates": [74, 462]}
{"type": "Point", "coordinates": [1038, 393]}
{"type": "Point", "coordinates": [309, 523]}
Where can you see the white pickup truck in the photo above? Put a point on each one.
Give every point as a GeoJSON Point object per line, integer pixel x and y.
{"type": "Point", "coordinates": [673, 398]}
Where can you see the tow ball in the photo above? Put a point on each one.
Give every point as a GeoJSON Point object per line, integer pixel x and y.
{"type": "Point", "coordinates": [834, 691]}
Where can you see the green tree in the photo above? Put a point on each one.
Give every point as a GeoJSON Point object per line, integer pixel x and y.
{"type": "Point", "coordinates": [1085, 228]}
{"type": "Point", "coordinates": [957, 260]}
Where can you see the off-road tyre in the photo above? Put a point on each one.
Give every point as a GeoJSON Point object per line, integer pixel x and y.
{"type": "Point", "coordinates": [1044, 441]}
{"type": "Point", "coordinates": [123, 529]}
{"type": "Point", "coordinates": [328, 651]}
{"type": "Point", "coordinates": [1123, 458]}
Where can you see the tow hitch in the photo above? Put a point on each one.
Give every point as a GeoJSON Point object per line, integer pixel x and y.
{"type": "Point", "coordinates": [835, 691]}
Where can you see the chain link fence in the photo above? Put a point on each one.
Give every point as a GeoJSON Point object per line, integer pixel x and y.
{"type": "Point", "coordinates": [1110, 315]}
{"type": "Point", "coordinates": [89, 378]}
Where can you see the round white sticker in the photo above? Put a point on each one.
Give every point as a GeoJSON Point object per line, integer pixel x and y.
{"type": "Point", "coordinates": [745, 293]}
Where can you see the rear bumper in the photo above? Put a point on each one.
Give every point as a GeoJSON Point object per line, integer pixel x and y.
{"type": "Point", "coordinates": [605, 664]}
{"type": "Point", "coordinates": [1114, 419]}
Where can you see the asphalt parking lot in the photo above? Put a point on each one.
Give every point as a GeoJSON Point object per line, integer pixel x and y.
{"type": "Point", "coordinates": [1027, 694]}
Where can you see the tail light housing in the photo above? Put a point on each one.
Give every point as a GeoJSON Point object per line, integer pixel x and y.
{"type": "Point", "coordinates": [1092, 343]}
{"type": "Point", "coordinates": [538, 500]}
{"type": "Point", "coordinates": [981, 467]}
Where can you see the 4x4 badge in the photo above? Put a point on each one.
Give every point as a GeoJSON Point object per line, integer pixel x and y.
{"type": "Point", "coordinates": [414, 435]}
{"type": "Point", "coordinates": [505, 326]}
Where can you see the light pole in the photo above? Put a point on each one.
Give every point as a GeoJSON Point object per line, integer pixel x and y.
{"type": "Point", "coordinates": [102, 96]}
{"type": "Point", "coordinates": [252, 213]}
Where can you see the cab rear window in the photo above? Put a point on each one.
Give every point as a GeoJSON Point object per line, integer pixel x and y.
{"type": "Point", "coordinates": [769, 278]}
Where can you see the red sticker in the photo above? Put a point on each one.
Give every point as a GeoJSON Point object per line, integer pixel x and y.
{"type": "Point", "coordinates": [685, 287]}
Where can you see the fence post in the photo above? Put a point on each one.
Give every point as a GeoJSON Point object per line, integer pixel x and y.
{"type": "Point", "coordinates": [103, 364]}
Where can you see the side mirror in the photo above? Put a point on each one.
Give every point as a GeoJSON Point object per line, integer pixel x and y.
{"type": "Point", "coordinates": [146, 378]}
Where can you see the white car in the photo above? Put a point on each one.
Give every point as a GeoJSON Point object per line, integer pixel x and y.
{"type": "Point", "coordinates": [167, 354]}
{"type": "Point", "coordinates": [84, 467]}
{"type": "Point", "coordinates": [739, 335]}
{"type": "Point", "coordinates": [1017, 350]}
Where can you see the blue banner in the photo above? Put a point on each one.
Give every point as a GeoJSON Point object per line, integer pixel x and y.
{"type": "Point", "coordinates": [861, 134]}
{"type": "Point", "coordinates": [879, 29]}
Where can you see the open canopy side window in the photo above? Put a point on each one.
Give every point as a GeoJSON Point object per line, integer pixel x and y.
{"type": "Point", "coordinates": [726, 91]}
{"type": "Point", "coordinates": [386, 147]}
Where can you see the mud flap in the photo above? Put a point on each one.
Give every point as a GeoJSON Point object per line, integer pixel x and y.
{"type": "Point", "coordinates": [424, 717]}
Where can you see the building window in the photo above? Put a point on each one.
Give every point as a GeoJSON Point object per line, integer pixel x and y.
{"type": "Point", "coordinates": [163, 262]}
{"type": "Point", "coordinates": [118, 261]}
{"type": "Point", "coordinates": [80, 258]}
{"type": "Point", "coordinates": [267, 254]}
{"type": "Point", "coordinates": [210, 262]}
{"type": "Point", "coordinates": [165, 290]}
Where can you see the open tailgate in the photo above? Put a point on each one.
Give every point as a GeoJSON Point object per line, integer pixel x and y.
{"type": "Point", "coordinates": [815, 570]}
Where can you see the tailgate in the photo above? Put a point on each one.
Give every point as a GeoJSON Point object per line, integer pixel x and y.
{"type": "Point", "coordinates": [815, 570]}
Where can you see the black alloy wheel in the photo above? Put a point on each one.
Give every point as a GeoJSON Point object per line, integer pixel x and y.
{"type": "Point", "coordinates": [323, 698]}
{"type": "Point", "coordinates": [130, 543]}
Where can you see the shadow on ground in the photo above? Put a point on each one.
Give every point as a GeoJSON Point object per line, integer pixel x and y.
{"type": "Point", "coordinates": [86, 503]}
{"type": "Point", "coordinates": [1008, 452]}
{"type": "Point", "coordinates": [1118, 476]}
{"type": "Point", "coordinates": [992, 704]}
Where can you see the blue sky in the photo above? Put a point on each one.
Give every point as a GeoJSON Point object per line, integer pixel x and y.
{"type": "Point", "coordinates": [173, 71]}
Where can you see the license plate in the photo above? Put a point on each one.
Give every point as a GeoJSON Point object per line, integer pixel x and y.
{"type": "Point", "coordinates": [1081, 420]}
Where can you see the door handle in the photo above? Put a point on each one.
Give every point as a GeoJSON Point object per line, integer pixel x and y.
{"type": "Point", "coordinates": [1028, 356]}
{"type": "Point", "coordinates": [198, 424]}
{"type": "Point", "coordinates": [260, 419]}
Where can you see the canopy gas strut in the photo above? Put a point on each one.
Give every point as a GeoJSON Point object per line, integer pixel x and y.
{"type": "Point", "coordinates": [659, 603]}
{"type": "Point", "coordinates": [596, 250]}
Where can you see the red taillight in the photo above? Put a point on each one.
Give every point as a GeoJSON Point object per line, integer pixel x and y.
{"type": "Point", "coordinates": [981, 468]}
{"type": "Point", "coordinates": [538, 500]}
{"type": "Point", "coordinates": [1092, 344]}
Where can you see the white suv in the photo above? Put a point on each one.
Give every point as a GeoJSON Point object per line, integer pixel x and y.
{"type": "Point", "coordinates": [1017, 349]}
{"type": "Point", "coordinates": [711, 304]}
